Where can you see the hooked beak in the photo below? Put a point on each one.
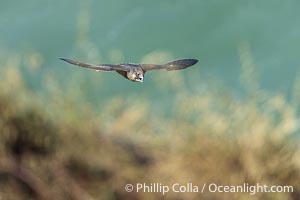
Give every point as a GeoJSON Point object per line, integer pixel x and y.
{"type": "Point", "coordinates": [140, 80]}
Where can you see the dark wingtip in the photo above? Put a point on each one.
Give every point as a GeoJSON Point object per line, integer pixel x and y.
{"type": "Point", "coordinates": [64, 59]}
{"type": "Point", "coordinates": [180, 64]}
{"type": "Point", "coordinates": [185, 62]}
{"type": "Point", "coordinates": [68, 61]}
{"type": "Point", "coordinates": [192, 61]}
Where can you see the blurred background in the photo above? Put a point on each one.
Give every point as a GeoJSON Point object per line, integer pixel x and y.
{"type": "Point", "coordinates": [71, 133]}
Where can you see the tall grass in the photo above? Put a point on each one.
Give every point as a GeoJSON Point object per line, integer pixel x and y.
{"type": "Point", "coordinates": [60, 147]}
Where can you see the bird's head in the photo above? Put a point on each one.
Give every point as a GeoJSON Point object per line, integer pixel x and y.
{"type": "Point", "coordinates": [137, 74]}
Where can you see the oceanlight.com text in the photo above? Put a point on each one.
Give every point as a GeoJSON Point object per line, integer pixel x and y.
{"type": "Point", "coordinates": [205, 187]}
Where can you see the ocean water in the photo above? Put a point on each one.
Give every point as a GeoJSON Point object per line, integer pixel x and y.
{"type": "Point", "coordinates": [153, 31]}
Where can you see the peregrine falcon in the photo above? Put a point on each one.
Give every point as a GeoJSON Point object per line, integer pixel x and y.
{"type": "Point", "coordinates": [135, 72]}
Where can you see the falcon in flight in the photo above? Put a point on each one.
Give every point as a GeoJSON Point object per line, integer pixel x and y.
{"type": "Point", "coordinates": [135, 72]}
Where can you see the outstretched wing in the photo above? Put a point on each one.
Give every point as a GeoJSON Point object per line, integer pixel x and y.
{"type": "Point", "coordinates": [101, 67]}
{"type": "Point", "coordinates": [174, 65]}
